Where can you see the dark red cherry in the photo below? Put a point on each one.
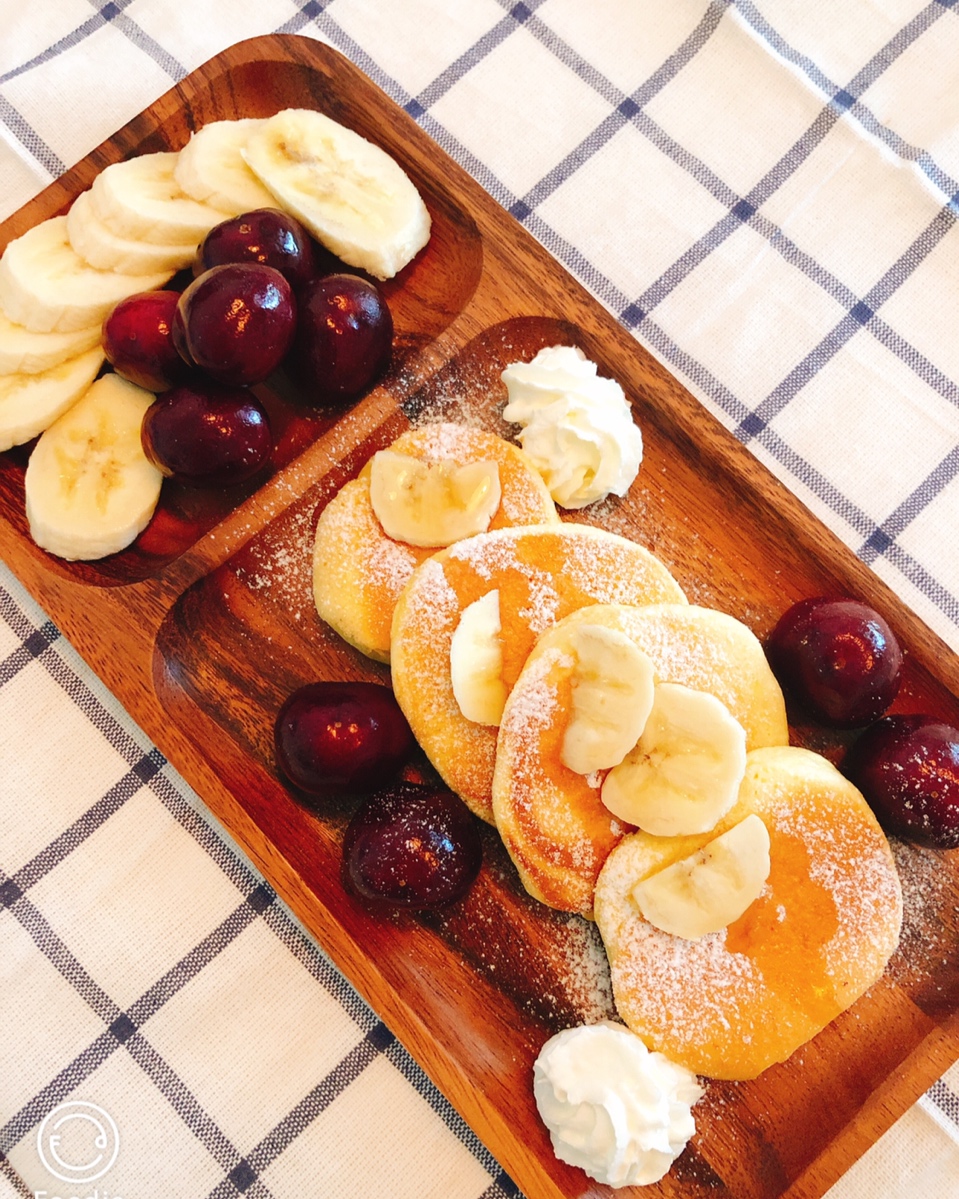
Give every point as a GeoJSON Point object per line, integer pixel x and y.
{"type": "Point", "coordinates": [344, 338]}
{"type": "Point", "coordinates": [907, 767]}
{"type": "Point", "coordinates": [838, 659]}
{"type": "Point", "coordinates": [412, 846]}
{"type": "Point", "coordinates": [138, 342]}
{"type": "Point", "coordinates": [267, 236]}
{"type": "Point", "coordinates": [207, 434]}
{"type": "Point", "coordinates": [338, 737]}
{"type": "Point", "coordinates": [238, 321]}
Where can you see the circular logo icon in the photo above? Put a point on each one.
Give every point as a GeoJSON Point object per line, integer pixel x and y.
{"type": "Point", "coordinates": [78, 1141]}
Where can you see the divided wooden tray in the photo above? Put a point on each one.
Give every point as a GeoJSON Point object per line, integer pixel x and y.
{"type": "Point", "coordinates": [205, 625]}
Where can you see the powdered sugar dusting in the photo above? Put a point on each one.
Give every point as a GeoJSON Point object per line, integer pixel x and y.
{"type": "Point", "coordinates": [585, 970]}
{"type": "Point", "coordinates": [279, 563]}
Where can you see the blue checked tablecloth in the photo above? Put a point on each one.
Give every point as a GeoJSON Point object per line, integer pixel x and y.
{"type": "Point", "coordinates": [766, 193]}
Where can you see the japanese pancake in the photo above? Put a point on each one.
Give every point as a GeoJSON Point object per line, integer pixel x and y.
{"type": "Point", "coordinates": [358, 571]}
{"type": "Point", "coordinates": [826, 922]}
{"type": "Point", "coordinates": [542, 575]}
{"type": "Point", "coordinates": [550, 818]}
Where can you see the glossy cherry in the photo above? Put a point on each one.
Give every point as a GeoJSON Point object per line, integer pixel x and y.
{"type": "Point", "coordinates": [207, 434]}
{"type": "Point", "coordinates": [344, 338]}
{"type": "Point", "coordinates": [266, 235]}
{"type": "Point", "coordinates": [341, 737]}
{"type": "Point", "coordinates": [238, 321]}
{"type": "Point", "coordinates": [138, 342]}
{"type": "Point", "coordinates": [907, 767]}
{"type": "Point", "coordinates": [838, 659]}
{"type": "Point", "coordinates": [412, 846]}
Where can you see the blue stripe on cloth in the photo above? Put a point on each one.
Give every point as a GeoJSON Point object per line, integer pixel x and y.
{"type": "Point", "coordinates": [70, 40]}
{"type": "Point", "coordinates": [31, 141]}
{"type": "Point", "coordinates": [860, 315]}
{"type": "Point", "coordinates": [13, 1178]}
{"type": "Point", "coordinates": [946, 1101]}
{"type": "Point", "coordinates": [142, 40]}
{"type": "Point", "coordinates": [826, 492]}
{"type": "Point", "coordinates": [517, 14]}
{"type": "Point", "coordinates": [625, 108]}
{"type": "Point", "coordinates": [347, 1070]}
{"type": "Point", "coordinates": [33, 646]}
{"type": "Point", "coordinates": [128, 1023]}
{"type": "Point", "coordinates": [87, 824]}
{"type": "Point", "coordinates": [846, 99]}
{"type": "Point", "coordinates": [882, 538]}
{"type": "Point", "coordinates": [125, 1028]}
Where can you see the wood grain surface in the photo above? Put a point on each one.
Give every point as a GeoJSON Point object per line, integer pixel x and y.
{"type": "Point", "coordinates": [206, 624]}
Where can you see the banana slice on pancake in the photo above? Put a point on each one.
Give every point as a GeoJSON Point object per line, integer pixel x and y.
{"type": "Point", "coordinates": [551, 818]}
{"type": "Point", "coordinates": [542, 575]}
{"type": "Point", "coordinates": [359, 570]}
{"type": "Point", "coordinates": [819, 934]}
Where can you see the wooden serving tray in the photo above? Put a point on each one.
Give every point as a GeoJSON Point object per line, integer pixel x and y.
{"type": "Point", "coordinates": [206, 624]}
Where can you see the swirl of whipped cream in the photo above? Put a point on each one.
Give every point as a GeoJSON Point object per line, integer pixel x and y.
{"type": "Point", "coordinates": [578, 427]}
{"type": "Point", "coordinates": [613, 1108]}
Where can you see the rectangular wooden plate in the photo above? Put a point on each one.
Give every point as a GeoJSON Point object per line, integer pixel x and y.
{"type": "Point", "coordinates": [204, 626]}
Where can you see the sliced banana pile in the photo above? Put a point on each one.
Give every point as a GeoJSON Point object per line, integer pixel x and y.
{"type": "Point", "coordinates": [142, 221]}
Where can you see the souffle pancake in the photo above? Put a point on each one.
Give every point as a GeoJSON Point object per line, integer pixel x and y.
{"type": "Point", "coordinates": [552, 818]}
{"type": "Point", "coordinates": [536, 577]}
{"type": "Point", "coordinates": [735, 1001]}
{"type": "Point", "coordinates": [359, 570]}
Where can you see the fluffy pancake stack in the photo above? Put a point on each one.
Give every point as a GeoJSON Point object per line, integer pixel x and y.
{"type": "Point", "coordinates": [631, 749]}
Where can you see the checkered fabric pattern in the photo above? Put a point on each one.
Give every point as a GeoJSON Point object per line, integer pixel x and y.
{"type": "Point", "coordinates": [765, 192]}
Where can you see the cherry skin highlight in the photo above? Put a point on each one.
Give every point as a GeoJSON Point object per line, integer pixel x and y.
{"type": "Point", "coordinates": [267, 236]}
{"type": "Point", "coordinates": [412, 846]}
{"type": "Point", "coordinates": [341, 737]}
{"type": "Point", "coordinates": [238, 321]}
{"type": "Point", "coordinates": [138, 341]}
{"type": "Point", "coordinates": [907, 768]}
{"type": "Point", "coordinates": [838, 659]}
{"type": "Point", "coordinates": [344, 338]}
{"type": "Point", "coordinates": [206, 434]}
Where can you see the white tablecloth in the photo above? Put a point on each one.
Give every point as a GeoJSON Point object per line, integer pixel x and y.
{"type": "Point", "coordinates": [766, 193]}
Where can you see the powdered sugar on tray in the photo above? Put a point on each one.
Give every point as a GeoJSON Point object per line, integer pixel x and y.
{"type": "Point", "coordinates": [278, 562]}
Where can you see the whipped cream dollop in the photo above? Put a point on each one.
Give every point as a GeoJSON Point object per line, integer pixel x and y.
{"type": "Point", "coordinates": [613, 1108]}
{"type": "Point", "coordinates": [578, 427]}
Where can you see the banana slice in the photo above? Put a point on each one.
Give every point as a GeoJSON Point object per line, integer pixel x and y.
{"type": "Point", "coordinates": [685, 770]}
{"type": "Point", "coordinates": [349, 193]}
{"type": "Point", "coordinates": [612, 696]}
{"type": "Point", "coordinates": [23, 351]}
{"type": "Point", "coordinates": [89, 487]}
{"type": "Point", "coordinates": [100, 247]}
{"type": "Point", "coordinates": [432, 503]}
{"type": "Point", "coordinates": [46, 287]}
{"type": "Point", "coordinates": [140, 200]}
{"type": "Point", "coordinates": [711, 888]}
{"type": "Point", "coordinates": [476, 661]}
{"type": "Point", "coordinates": [210, 168]}
{"type": "Point", "coordinates": [31, 403]}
